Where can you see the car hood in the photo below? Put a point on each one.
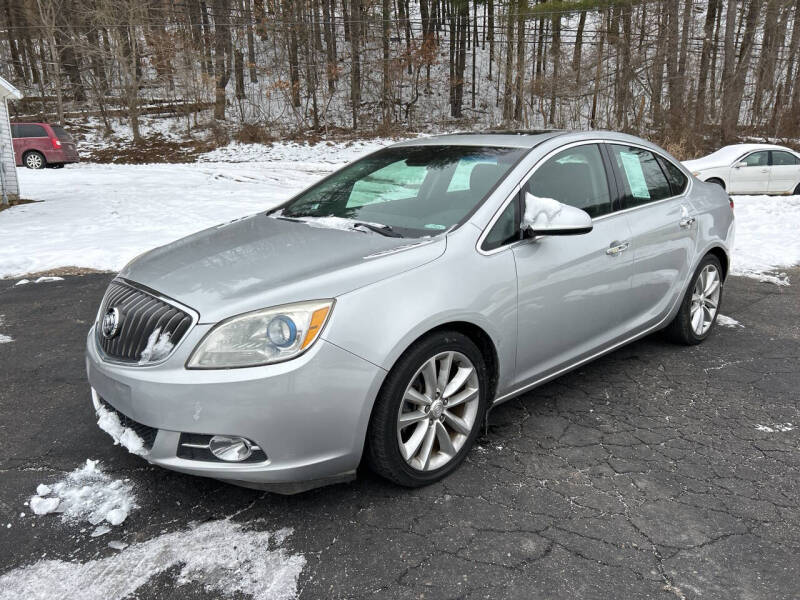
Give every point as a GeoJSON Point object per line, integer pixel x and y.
{"type": "Point", "coordinates": [703, 164]}
{"type": "Point", "coordinates": [261, 261]}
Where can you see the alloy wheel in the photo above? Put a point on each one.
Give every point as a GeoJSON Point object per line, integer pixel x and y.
{"type": "Point", "coordinates": [34, 161]}
{"type": "Point", "coordinates": [438, 411]}
{"type": "Point", "coordinates": [705, 299]}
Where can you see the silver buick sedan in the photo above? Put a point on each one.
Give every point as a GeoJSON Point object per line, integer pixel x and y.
{"type": "Point", "coordinates": [379, 314]}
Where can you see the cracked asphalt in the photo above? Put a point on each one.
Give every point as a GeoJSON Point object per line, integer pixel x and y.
{"type": "Point", "coordinates": [641, 475]}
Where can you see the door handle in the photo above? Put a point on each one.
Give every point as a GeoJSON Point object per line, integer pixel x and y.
{"type": "Point", "coordinates": [617, 248]}
{"type": "Point", "coordinates": [686, 222]}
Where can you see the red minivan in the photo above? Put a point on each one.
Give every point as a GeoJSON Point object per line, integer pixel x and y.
{"type": "Point", "coordinates": [40, 145]}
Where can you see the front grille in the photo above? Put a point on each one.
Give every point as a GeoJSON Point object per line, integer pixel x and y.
{"type": "Point", "coordinates": [148, 434]}
{"type": "Point", "coordinates": [141, 314]}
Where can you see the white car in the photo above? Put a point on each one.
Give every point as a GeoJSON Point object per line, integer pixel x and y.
{"type": "Point", "coordinates": [750, 169]}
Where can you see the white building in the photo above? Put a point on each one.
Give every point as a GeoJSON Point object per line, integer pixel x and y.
{"type": "Point", "coordinates": [9, 184]}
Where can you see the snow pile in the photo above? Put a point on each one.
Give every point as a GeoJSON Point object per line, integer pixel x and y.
{"type": "Point", "coordinates": [777, 428]}
{"type": "Point", "coordinates": [728, 322]}
{"type": "Point", "coordinates": [126, 437]}
{"type": "Point", "coordinates": [767, 238]}
{"type": "Point", "coordinates": [330, 152]}
{"type": "Point", "coordinates": [539, 212]}
{"type": "Point", "coordinates": [86, 494]}
{"type": "Point", "coordinates": [219, 555]}
{"type": "Point", "coordinates": [158, 346]}
{"type": "Point", "coordinates": [4, 339]}
{"type": "Point", "coordinates": [44, 279]}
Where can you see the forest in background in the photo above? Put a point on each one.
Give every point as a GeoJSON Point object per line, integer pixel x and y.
{"type": "Point", "coordinates": [685, 73]}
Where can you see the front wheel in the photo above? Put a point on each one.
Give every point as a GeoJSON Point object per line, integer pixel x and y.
{"type": "Point", "coordinates": [700, 306]}
{"type": "Point", "coordinates": [796, 190]}
{"type": "Point", "coordinates": [429, 410]}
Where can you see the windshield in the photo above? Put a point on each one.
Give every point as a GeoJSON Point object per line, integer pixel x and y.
{"type": "Point", "coordinates": [414, 190]}
{"type": "Point", "coordinates": [60, 133]}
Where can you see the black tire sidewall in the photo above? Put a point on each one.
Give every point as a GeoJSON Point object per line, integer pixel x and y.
{"type": "Point", "coordinates": [383, 452]}
{"type": "Point", "coordinates": [686, 307]}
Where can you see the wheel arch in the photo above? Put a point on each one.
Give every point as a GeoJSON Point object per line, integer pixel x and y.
{"type": "Point", "coordinates": [723, 258]}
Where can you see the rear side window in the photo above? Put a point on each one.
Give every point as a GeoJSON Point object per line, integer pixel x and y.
{"type": "Point", "coordinates": [61, 133]}
{"type": "Point", "coordinates": [643, 180]}
{"type": "Point", "coordinates": [756, 159]}
{"type": "Point", "coordinates": [26, 131]}
{"type": "Point", "coordinates": [782, 159]}
{"type": "Point", "coordinates": [15, 131]}
{"type": "Point", "coordinates": [576, 177]}
{"type": "Point", "coordinates": [677, 180]}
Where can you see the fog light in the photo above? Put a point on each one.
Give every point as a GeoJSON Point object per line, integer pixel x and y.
{"type": "Point", "coordinates": [230, 449]}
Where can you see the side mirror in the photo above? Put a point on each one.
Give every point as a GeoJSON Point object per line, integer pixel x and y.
{"type": "Point", "coordinates": [739, 165]}
{"type": "Point", "coordinates": [545, 216]}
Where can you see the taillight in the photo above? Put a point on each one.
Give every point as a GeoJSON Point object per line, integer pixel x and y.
{"type": "Point", "coordinates": [731, 199]}
{"type": "Point", "coordinates": [56, 143]}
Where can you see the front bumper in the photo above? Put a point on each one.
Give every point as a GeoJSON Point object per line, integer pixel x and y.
{"type": "Point", "coordinates": [309, 415]}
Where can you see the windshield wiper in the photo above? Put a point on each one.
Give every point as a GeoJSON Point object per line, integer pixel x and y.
{"type": "Point", "coordinates": [382, 229]}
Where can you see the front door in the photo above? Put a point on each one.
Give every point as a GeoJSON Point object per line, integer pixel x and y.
{"type": "Point", "coordinates": [572, 290]}
{"type": "Point", "coordinates": [750, 175]}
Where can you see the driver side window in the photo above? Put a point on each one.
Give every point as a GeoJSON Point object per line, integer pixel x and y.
{"type": "Point", "coordinates": [576, 177]}
{"type": "Point", "coordinates": [757, 159]}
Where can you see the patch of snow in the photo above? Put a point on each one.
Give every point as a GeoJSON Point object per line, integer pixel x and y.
{"type": "Point", "coordinates": [100, 530]}
{"type": "Point", "coordinates": [117, 545]}
{"type": "Point", "coordinates": [4, 339]}
{"type": "Point", "coordinates": [22, 282]}
{"type": "Point", "coordinates": [766, 237]}
{"type": "Point", "coordinates": [42, 489]}
{"type": "Point", "coordinates": [539, 212]}
{"type": "Point", "coordinates": [126, 437]}
{"type": "Point", "coordinates": [777, 428]}
{"type": "Point", "coordinates": [47, 279]}
{"type": "Point", "coordinates": [86, 494]}
{"type": "Point", "coordinates": [158, 346]}
{"type": "Point", "coordinates": [728, 322]}
{"type": "Point", "coordinates": [219, 555]}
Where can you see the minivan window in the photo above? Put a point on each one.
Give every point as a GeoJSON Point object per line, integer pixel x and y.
{"type": "Point", "coordinates": [576, 177]}
{"type": "Point", "coordinates": [782, 159]}
{"type": "Point", "coordinates": [28, 131]}
{"type": "Point", "coordinates": [677, 180]}
{"type": "Point", "coordinates": [643, 180]}
{"type": "Point", "coordinates": [61, 133]}
{"type": "Point", "coordinates": [408, 188]}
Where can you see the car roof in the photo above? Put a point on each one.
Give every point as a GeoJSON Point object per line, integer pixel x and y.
{"type": "Point", "coordinates": [508, 139]}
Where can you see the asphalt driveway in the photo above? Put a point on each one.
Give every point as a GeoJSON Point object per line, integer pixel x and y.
{"type": "Point", "coordinates": [655, 472]}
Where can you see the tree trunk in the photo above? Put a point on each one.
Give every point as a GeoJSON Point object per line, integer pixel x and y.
{"type": "Point", "coordinates": [733, 91]}
{"type": "Point", "coordinates": [386, 84]}
{"type": "Point", "coordinates": [519, 104]}
{"type": "Point", "coordinates": [355, 60]}
{"type": "Point", "coordinates": [508, 98]}
{"type": "Point", "coordinates": [221, 67]}
{"type": "Point", "coordinates": [556, 52]}
{"type": "Point", "coordinates": [705, 57]}
{"type": "Point", "coordinates": [329, 32]}
{"type": "Point", "coordinates": [251, 45]}
{"type": "Point", "coordinates": [576, 51]}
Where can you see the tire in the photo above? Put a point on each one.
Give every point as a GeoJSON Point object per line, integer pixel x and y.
{"type": "Point", "coordinates": [34, 160]}
{"type": "Point", "coordinates": [716, 180]}
{"type": "Point", "coordinates": [796, 191]}
{"type": "Point", "coordinates": [56, 165]}
{"type": "Point", "coordinates": [428, 425]}
{"type": "Point", "coordinates": [683, 329]}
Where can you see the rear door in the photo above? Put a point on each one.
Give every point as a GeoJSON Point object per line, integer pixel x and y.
{"type": "Point", "coordinates": [572, 289]}
{"type": "Point", "coordinates": [663, 231]}
{"type": "Point", "coordinates": [785, 172]}
{"type": "Point", "coordinates": [750, 175]}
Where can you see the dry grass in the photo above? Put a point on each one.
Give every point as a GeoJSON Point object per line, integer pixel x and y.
{"type": "Point", "coordinates": [19, 202]}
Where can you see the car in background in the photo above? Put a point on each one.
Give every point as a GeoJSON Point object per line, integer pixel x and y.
{"type": "Point", "coordinates": [382, 311]}
{"type": "Point", "coordinates": [40, 145]}
{"type": "Point", "coordinates": [750, 169]}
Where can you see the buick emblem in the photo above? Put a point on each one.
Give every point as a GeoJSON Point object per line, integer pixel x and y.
{"type": "Point", "coordinates": [110, 324]}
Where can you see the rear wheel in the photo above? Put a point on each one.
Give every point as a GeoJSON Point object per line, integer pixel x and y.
{"type": "Point", "coordinates": [796, 191]}
{"type": "Point", "coordinates": [429, 411]}
{"type": "Point", "coordinates": [34, 160]}
{"type": "Point", "coordinates": [716, 180]}
{"type": "Point", "coordinates": [700, 306]}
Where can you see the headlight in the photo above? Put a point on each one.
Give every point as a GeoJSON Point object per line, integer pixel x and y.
{"type": "Point", "coordinates": [262, 337]}
{"type": "Point", "coordinates": [696, 173]}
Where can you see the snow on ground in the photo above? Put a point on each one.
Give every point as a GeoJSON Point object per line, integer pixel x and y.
{"type": "Point", "coordinates": [767, 236]}
{"type": "Point", "coordinates": [728, 322]}
{"type": "Point", "coordinates": [102, 216]}
{"type": "Point", "coordinates": [219, 555]}
{"type": "Point", "coordinates": [4, 339]}
{"type": "Point", "coordinates": [86, 494]}
{"type": "Point", "coordinates": [777, 428]}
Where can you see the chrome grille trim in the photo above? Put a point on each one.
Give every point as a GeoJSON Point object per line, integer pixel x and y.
{"type": "Point", "coordinates": [143, 310]}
